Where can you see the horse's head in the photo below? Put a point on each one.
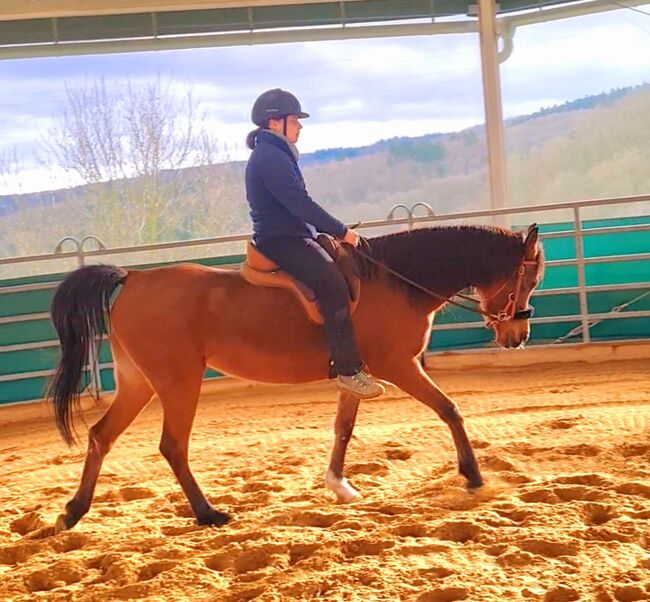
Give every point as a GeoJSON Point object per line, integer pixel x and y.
{"type": "Point", "coordinates": [507, 301]}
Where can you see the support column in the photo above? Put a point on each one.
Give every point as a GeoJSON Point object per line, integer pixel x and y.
{"type": "Point", "coordinates": [493, 108]}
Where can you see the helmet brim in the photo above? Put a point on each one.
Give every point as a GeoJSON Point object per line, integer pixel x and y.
{"type": "Point", "coordinates": [302, 115]}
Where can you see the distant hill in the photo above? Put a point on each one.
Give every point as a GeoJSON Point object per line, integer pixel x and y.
{"type": "Point", "coordinates": [422, 146]}
{"type": "Point", "coordinates": [605, 99]}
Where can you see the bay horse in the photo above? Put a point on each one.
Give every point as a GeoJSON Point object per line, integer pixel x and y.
{"type": "Point", "coordinates": [168, 323]}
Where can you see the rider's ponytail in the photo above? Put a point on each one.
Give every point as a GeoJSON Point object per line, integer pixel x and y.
{"type": "Point", "coordinates": [251, 139]}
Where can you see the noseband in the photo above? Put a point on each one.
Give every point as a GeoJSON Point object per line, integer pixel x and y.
{"type": "Point", "coordinates": [510, 311]}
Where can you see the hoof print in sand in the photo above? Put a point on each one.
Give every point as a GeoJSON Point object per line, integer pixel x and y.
{"type": "Point", "coordinates": [19, 552]}
{"type": "Point", "coordinates": [365, 547]}
{"type": "Point", "coordinates": [435, 572]}
{"type": "Point", "coordinates": [27, 523]}
{"type": "Point", "coordinates": [247, 561]}
{"type": "Point", "coordinates": [302, 551]}
{"type": "Point", "coordinates": [561, 593]}
{"type": "Point", "coordinates": [149, 571]}
{"type": "Point", "coordinates": [132, 492]}
{"type": "Point", "coordinates": [368, 468]}
{"type": "Point", "coordinates": [598, 514]}
{"type": "Point", "coordinates": [69, 541]}
{"type": "Point", "coordinates": [415, 530]}
{"type": "Point", "coordinates": [257, 486]}
{"type": "Point", "coordinates": [634, 488]}
{"type": "Point", "coordinates": [60, 574]}
{"type": "Point", "coordinates": [571, 493]}
{"type": "Point", "coordinates": [314, 518]}
{"type": "Point", "coordinates": [581, 449]}
{"type": "Point", "coordinates": [395, 451]}
{"type": "Point", "coordinates": [443, 594]}
{"type": "Point", "coordinates": [458, 531]}
{"type": "Point", "coordinates": [549, 549]}
{"type": "Point", "coordinates": [564, 423]}
{"type": "Point", "coordinates": [539, 496]}
{"type": "Point", "coordinates": [517, 558]}
{"type": "Point", "coordinates": [630, 593]}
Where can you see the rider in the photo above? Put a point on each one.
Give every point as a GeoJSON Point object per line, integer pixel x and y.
{"type": "Point", "coordinates": [286, 222]}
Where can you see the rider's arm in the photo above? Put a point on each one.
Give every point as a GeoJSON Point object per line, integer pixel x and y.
{"type": "Point", "coordinates": [281, 180]}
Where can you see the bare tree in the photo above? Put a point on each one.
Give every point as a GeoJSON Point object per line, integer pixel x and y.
{"type": "Point", "coordinates": [143, 155]}
{"type": "Point", "coordinates": [10, 167]}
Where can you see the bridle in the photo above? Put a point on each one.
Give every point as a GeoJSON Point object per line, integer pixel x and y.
{"type": "Point", "coordinates": [509, 312]}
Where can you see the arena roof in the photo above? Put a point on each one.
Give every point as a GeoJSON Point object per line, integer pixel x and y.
{"type": "Point", "coordinates": [30, 28]}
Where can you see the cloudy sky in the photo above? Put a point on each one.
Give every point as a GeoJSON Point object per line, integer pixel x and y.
{"type": "Point", "coordinates": [357, 91]}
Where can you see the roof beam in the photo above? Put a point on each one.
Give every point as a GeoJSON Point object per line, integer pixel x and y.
{"type": "Point", "coordinates": [238, 39]}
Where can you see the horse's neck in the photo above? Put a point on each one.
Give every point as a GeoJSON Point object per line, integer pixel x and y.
{"type": "Point", "coordinates": [436, 268]}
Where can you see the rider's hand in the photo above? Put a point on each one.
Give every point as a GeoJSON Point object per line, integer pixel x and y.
{"type": "Point", "coordinates": [351, 237]}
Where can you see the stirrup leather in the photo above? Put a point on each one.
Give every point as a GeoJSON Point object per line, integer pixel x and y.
{"type": "Point", "coordinates": [259, 270]}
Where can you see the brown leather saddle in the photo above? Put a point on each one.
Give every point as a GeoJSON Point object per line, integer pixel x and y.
{"type": "Point", "coordinates": [261, 271]}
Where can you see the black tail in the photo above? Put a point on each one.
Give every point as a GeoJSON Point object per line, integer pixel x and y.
{"type": "Point", "coordinates": [79, 308]}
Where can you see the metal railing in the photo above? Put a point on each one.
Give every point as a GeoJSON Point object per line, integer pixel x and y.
{"type": "Point", "coordinates": [585, 318]}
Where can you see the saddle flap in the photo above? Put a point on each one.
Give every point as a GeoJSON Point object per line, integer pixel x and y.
{"type": "Point", "coordinates": [259, 270]}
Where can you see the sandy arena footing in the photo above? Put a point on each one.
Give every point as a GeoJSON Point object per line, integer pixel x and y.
{"type": "Point", "coordinates": [565, 449]}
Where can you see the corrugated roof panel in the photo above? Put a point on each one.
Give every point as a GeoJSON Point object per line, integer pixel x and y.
{"type": "Point", "coordinates": [201, 21]}
{"type": "Point", "coordinates": [389, 10]}
{"type": "Point", "coordinates": [112, 27]}
{"type": "Point", "coordinates": [297, 15]}
{"type": "Point", "coordinates": [30, 31]}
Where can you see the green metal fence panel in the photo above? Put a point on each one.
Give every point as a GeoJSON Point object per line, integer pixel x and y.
{"type": "Point", "coordinates": [30, 331]}
{"type": "Point", "coordinates": [26, 302]}
{"type": "Point", "coordinates": [22, 390]}
{"type": "Point", "coordinates": [28, 360]}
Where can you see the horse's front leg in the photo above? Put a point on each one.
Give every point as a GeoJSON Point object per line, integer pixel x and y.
{"type": "Point", "coordinates": [412, 379]}
{"type": "Point", "coordinates": [346, 416]}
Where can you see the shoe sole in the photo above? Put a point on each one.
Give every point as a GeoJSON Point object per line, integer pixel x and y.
{"type": "Point", "coordinates": [361, 395]}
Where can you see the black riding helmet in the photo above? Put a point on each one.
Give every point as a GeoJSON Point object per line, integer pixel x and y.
{"type": "Point", "coordinates": [275, 104]}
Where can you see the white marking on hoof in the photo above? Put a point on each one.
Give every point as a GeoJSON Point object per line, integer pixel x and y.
{"type": "Point", "coordinates": [344, 492]}
{"type": "Point", "coordinates": [59, 526]}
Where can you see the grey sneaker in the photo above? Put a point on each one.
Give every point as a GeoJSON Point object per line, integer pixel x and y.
{"type": "Point", "coordinates": [361, 384]}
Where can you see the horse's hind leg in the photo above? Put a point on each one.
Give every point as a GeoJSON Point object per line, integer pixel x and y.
{"type": "Point", "coordinates": [179, 398]}
{"type": "Point", "coordinates": [346, 416]}
{"type": "Point", "coordinates": [414, 380]}
{"type": "Point", "coordinates": [132, 394]}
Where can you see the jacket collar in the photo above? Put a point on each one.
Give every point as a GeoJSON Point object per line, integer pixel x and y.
{"type": "Point", "coordinates": [279, 141]}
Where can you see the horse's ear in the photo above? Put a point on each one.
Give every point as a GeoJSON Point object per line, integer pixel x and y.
{"type": "Point", "coordinates": [531, 241]}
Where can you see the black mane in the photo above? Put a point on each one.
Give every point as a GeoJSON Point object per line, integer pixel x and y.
{"type": "Point", "coordinates": [445, 258]}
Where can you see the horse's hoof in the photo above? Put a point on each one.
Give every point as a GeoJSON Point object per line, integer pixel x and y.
{"type": "Point", "coordinates": [475, 483]}
{"type": "Point", "coordinates": [347, 494]}
{"type": "Point", "coordinates": [60, 524]}
{"type": "Point", "coordinates": [344, 492]}
{"type": "Point", "coordinates": [213, 518]}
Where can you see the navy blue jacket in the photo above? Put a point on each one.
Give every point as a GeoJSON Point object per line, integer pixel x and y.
{"type": "Point", "coordinates": [279, 202]}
